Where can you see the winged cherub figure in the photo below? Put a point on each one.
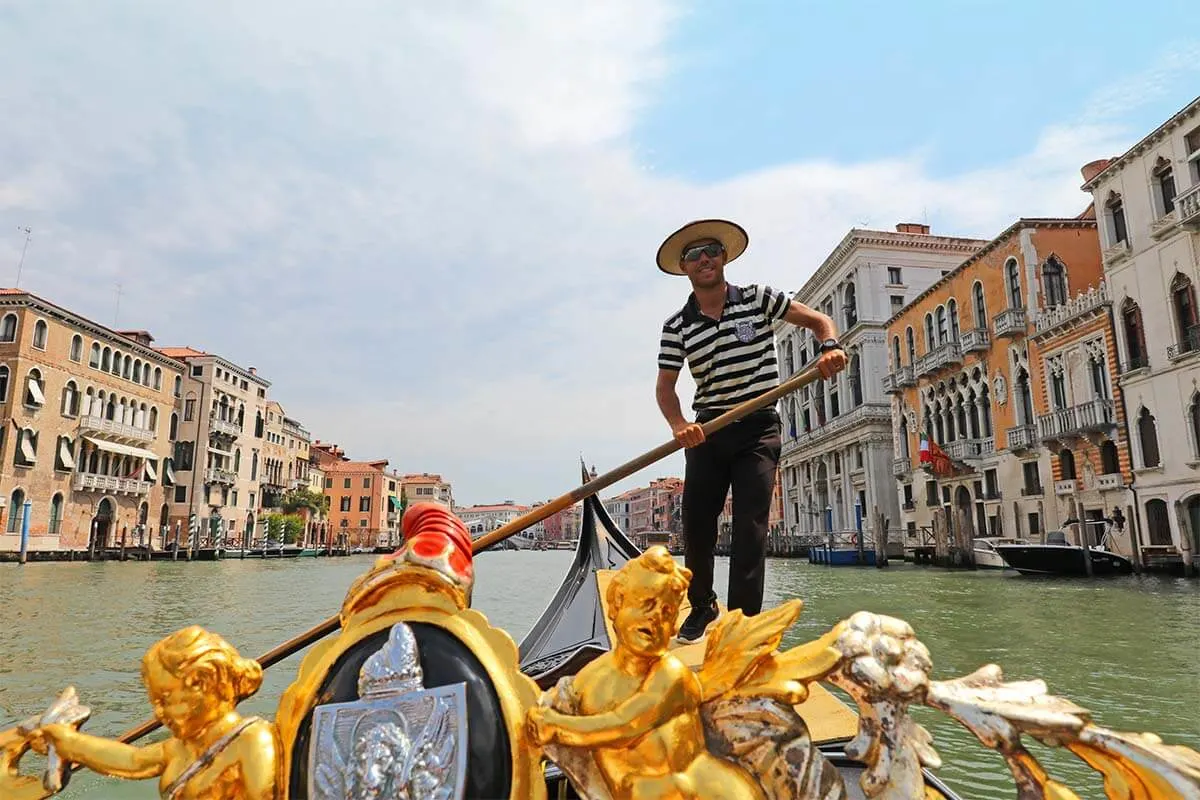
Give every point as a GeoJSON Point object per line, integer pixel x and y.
{"type": "Point", "coordinates": [638, 723]}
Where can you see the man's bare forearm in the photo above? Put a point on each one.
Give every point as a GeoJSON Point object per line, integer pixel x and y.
{"type": "Point", "coordinates": [668, 404]}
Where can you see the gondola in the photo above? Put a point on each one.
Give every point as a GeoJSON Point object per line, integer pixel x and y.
{"type": "Point", "coordinates": [411, 692]}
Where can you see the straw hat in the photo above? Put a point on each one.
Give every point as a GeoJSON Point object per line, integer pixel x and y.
{"type": "Point", "coordinates": [730, 234]}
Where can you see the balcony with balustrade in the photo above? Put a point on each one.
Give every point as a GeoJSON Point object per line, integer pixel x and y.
{"type": "Point", "coordinates": [1079, 308]}
{"type": "Point", "coordinates": [974, 340]}
{"type": "Point", "coordinates": [1064, 488]}
{"type": "Point", "coordinates": [1021, 437]}
{"type": "Point", "coordinates": [967, 449]}
{"type": "Point", "coordinates": [901, 466]}
{"type": "Point", "coordinates": [111, 429]}
{"type": "Point", "coordinates": [220, 476]}
{"type": "Point", "coordinates": [1011, 322]}
{"type": "Point", "coordinates": [888, 382]}
{"type": "Point", "coordinates": [905, 376]}
{"type": "Point", "coordinates": [1110, 482]}
{"type": "Point", "coordinates": [110, 484]}
{"type": "Point", "coordinates": [1116, 254]}
{"type": "Point", "coordinates": [1187, 345]}
{"type": "Point", "coordinates": [223, 427]}
{"type": "Point", "coordinates": [1187, 206]}
{"type": "Point", "coordinates": [1084, 421]}
{"type": "Point", "coordinates": [944, 355]}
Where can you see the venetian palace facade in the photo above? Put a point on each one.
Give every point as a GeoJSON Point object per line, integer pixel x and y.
{"type": "Point", "coordinates": [1000, 365]}
{"type": "Point", "coordinates": [837, 435]}
{"type": "Point", "coordinates": [85, 440]}
{"type": "Point", "coordinates": [1148, 204]}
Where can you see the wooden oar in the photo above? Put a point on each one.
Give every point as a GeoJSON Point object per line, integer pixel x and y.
{"type": "Point", "coordinates": [298, 643]}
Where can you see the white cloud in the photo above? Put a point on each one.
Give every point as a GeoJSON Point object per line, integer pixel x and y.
{"type": "Point", "coordinates": [423, 222]}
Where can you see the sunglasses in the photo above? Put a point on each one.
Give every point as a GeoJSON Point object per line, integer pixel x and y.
{"type": "Point", "coordinates": [712, 250]}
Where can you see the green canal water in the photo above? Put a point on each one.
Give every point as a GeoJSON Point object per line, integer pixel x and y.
{"type": "Point", "coordinates": [1128, 649]}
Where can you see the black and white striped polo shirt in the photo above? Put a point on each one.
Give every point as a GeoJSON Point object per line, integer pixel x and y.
{"type": "Point", "coordinates": [732, 359]}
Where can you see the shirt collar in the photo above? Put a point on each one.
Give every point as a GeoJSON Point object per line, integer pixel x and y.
{"type": "Point", "coordinates": [691, 310]}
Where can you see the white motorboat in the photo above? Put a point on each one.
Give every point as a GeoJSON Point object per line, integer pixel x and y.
{"type": "Point", "coordinates": [986, 555]}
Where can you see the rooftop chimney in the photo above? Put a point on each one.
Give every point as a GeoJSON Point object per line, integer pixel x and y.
{"type": "Point", "coordinates": [252, 370]}
{"type": "Point", "coordinates": [912, 227]}
{"type": "Point", "coordinates": [1094, 168]}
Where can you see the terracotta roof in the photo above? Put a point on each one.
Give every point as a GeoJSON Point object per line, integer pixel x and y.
{"type": "Point", "coordinates": [180, 352]}
{"type": "Point", "coordinates": [425, 478]}
{"type": "Point", "coordinates": [355, 466]}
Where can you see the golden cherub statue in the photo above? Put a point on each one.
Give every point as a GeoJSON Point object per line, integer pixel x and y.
{"type": "Point", "coordinates": [634, 722]}
{"type": "Point", "coordinates": [195, 679]}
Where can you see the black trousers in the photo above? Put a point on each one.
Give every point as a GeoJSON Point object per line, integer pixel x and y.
{"type": "Point", "coordinates": [742, 456]}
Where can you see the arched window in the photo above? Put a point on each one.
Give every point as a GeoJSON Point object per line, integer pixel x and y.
{"type": "Point", "coordinates": [895, 352]}
{"type": "Point", "coordinates": [178, 386]}
{"type": "Point", "coordinates": [850, 306]}
{"type": "Point", "coordinates": [70, 400]}
{"type": "Point", "coordinates": [3, 383]}
{"type": "Point", "coordinates": [137, 370]}
{"type": "Point", "coordinates": [904, 451]}
{"type": "Point", "coordinates": [942, 333]}
{"type": "Point", "coordinates": [174, 430]}
{"type": "Point", "coordinates": [1158, 522]}
{"type": "Point", "coordinates": [153, 419]}
{"type": "Point", "coordinates": [16, 510]}
{"type": "Point", "coordinates": [56, 514]}
{"type": "Point", "coordinates": [1013, 274]}
{"type": "Point", "coordinates": [35, 389]}
{"type": "Point", "coordinates": [1110, 464]}
{"type": "Point", "coordinates": [1114, 213]}
{"type": "Point", "coordinates": [1054, 282]}
{"type": "Point", "coordinates": [1194, 422]}
{"type": "Point", "coordinates": [8, 328]}
{"type": "Point", "coordinates": [929, 341]}
{"type": "Point", "coordinates": [94, 357]}
{"type": "Point", "coordinates": [1135, 335]}
{"type": "Point", "coordinates": [41, 332]}
{"type": "Point", "coordinates": [1164, 186]}
{"type": "Point", "coordinates": [855, 375]}
{"type": "Point", "coordinates": [127, 368]}
{"type": "Point", "coordinates": [1024, 399]}
{"type": "Point", "coordinates": [1066, 465]}
{"type": "Point", "coordinates": [910, 345]}
{"type": "Point", "coordinates": [980, 306]}
{"type": "Point", "coordinates": [237, 459]}
{"type": "Point", "coordinates": [1148, 438]}
{"type": "Point", "coordinates": [952, 306]}
{"type": "Point", "coordinates": [1183, 302]}
{"type": "Point", "coordinates": [157, 378]}
{"type": "Point", "coordinates": [77, 348]}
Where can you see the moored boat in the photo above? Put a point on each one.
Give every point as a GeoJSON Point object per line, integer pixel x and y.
{"type": "Point", "coordinates": [985, 553]}
{"type": "Point", "coordinates": [1057, 557]}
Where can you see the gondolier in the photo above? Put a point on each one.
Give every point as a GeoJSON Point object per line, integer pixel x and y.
{"type": "Point", "coordinates": [724, 333]}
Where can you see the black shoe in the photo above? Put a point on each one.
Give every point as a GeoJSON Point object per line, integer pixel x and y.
{"type": "Point", "coordinates": [697, 621]}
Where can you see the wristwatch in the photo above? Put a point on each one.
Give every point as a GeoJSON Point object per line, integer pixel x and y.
{"type": "Point", "coordinates": [830, 344]}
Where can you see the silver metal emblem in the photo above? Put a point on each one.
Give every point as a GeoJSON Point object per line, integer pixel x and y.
{"type": "Point", "coordinates": [744, 330]}
{"type": "Point", "coordinates": [398, 741]}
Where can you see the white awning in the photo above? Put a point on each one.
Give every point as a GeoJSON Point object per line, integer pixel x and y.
{"type": "Point", "coordinates": [64, 454]}
{"type": "Point", "coordinates": [36, 392]}
{"type": "Point", "coordinates": [151, 472]}
{"type": "Point", "coordinates": [169, 472]}
{"type": "Point", "coordinates": [220, 452]}
{"type": "Point", "coordinates": [121, 449]}
{"type": "Point", "coordinates": [27, 449]}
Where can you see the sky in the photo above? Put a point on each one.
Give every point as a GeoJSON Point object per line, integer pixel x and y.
{"type": "Point", "coordinates": [432, 224]}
